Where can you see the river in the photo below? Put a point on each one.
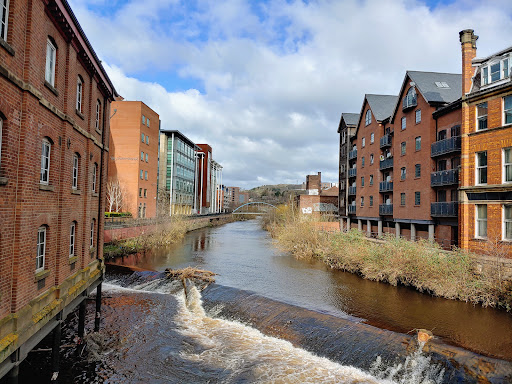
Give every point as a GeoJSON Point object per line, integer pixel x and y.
{"type": "Point", "coordinates": [151, 333]}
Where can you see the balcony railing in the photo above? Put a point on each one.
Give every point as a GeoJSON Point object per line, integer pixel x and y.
{"type": "Point", "coordinates": [352, 172]}
{"type": "Point", "coordinates": [385, 141]}
{"type": "Point", "coordinates": [442, 209]}
{"type": "Point", "coordinates": [385, 209]}
{"type": "Point", "coordinates": [448, 177]}
{"type": "Point", "coordinates": [386, 163]}
{"type": "Point", "coordinates": [445, 146]}
{"type": "Point", "coordinates": [385, 186]}
{"type": "Point", "coordinates": [351, 191]}
{"type": "Point", "coordinates": [351, 209]}
{"type": "Point", "coordinates": [352, 154]}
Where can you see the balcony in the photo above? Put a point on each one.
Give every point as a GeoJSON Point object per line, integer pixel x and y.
{"type": "Point", "coordinates": [352, 172]}
{"type": "Point", "coordinates": [351, 209]}
{"type": "Point", "coordinates": [351, 191]}
{"type": "Point", "coordinates": [386, 164]}
{"type": "Point", "coordinates": [352, 154]}
{"type": "Point", "coordinates": [386, 186]}
{"type": "Point", "coordinates": [442, 147]}
{"type": "Point", "coordinates": [385, 141]}
{"type": "Point", "coordinates": [443, 209]}
{"type": "Point", "coordinates": [448, 177]}
{"type": "Point", "coordinates": [386, 209]}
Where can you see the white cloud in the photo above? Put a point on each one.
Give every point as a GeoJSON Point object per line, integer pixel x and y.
{"type": "Point", "coordinates": [274, 77]}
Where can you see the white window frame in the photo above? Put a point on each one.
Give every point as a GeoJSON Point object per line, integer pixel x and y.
{"type": "Point", "coordinates": [363, 142]}
{"type": "Point", "coordinates": [478, 235]}
{"type": "Point", "coordinates": [481, 117]}
{"type": "Point", "coordinates": [79, 94]}
{"type": "Point", "coordinates": [72, 239]}
{"type": "Point", "coordinates": [91, 244]}
{"type": "Point", "coordinates": [505, 111]}
{"type": "Point", "coordinates": [51, 54]}
{"type": "Point", "coordinates": [94, 175]}
{"type": "Point", "coordinates": [506, 221]}
{"type": "Point", "coordinates": [45, 162]}
{"type": "Point", "coordinates": [418, 116]}
{"type": "Point", "coordinates": [368, 118]}
{"type": "Point", "coordinates": [506, 165]}
{"type": "Point", "coordinates": [76, 163]}
{"type": "Point", "coordinates": [503, 71]}
{"type": "Point", "coordinates": [372, 138]}
{"type": "Point", "coordinates": [98, 111]}
{"type": "Point", "coordinates": [479, 168]}
{"type": "Point", "coordinates": [41, 249]}
{"type": "Point", "coordinates": [4, 22]}
{"type": "Point", "coordinates": [404, 123]}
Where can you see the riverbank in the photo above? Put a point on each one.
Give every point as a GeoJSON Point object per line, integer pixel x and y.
{"type": "Point", "coordinates": [421, 265]}
{"type": "Point", "coordinates": [160, 234]}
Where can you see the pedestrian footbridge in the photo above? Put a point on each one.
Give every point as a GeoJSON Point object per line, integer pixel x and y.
{"type": "Point", "coordinates": [254, 208]}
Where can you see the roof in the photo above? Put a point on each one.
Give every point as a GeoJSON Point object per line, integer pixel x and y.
{"type": "Point", "coordinates": [181, 136]}
{"type": "Point", "coordinates": [427, 84]}
{"type": "Point", "coordinates": [333, 191]}
{"type": "Point", "coordinates": [494, 55]}
{"type": "Point", "coordinates": [381, 105]}
{"type": "Point", "coordinates": [350, 118]}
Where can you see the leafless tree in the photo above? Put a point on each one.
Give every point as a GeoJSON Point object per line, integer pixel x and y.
{"type": "Point", "coordinates": [114, 196]}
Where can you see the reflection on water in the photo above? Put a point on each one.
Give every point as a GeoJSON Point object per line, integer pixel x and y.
{"type": "Point", "coordinates": [244, 257]}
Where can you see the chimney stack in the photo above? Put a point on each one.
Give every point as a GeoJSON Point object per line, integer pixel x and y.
{"type": "Point", "coordinates": [468, 45]}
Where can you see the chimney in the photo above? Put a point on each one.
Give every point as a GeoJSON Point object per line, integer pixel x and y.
{"type": "Point", "coordinates": [468, 45]}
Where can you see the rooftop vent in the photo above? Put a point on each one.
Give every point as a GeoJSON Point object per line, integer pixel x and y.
{"type": "Point", "coordinates": [442, 84]}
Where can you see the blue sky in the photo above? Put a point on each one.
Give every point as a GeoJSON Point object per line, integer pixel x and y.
{"type": "Point", "coordinates": [265, 82]}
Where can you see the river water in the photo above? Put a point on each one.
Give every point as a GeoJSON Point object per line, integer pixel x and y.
{"type": "Point", "coordinates": [151, 333]}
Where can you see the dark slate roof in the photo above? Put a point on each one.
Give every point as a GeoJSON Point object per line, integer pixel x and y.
{"type": "Point", "coordinates": [350, 118]}
{"type": "Point", "coordinates": [382, 105]}
{"type": "Point", "coordinates": [426, 84]}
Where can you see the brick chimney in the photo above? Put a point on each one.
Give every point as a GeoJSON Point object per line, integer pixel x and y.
{"type": "Point", "coordinates": [468, 45]}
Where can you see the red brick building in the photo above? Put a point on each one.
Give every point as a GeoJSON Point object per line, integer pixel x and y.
{"type": "Point", "coordinates": [347, 130]}
{"type": "Point", "coordinates": [134, 133]}
{"type": "Point", "coordinates": [54, 125]}
{"type": "Point", "coordinates": [486, 174]}
{"type": "Point", "coordinates": [317, 201]}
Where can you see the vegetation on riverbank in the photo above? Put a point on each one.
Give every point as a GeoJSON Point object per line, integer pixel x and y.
{"type": "Point", "coordinates": [421, 264]}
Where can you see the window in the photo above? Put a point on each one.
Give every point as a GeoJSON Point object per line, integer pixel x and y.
{"type": "Point", "coordinates": [91, 244]}
{"type": "Point", "coordinates": [441, 165]}
{"type": "Point", "coordinates": [404, 123]}
{"type": "Point", "coordinates": [141, 174]}
{"type": "Point", "coordinates": [51, 51]}
{"type": "Point", "coordinates": [418, 143]}
{"type": "Point", "coordinates": [362, 161]}
{"type": "Point", "coordinates": [368, 118]}
{"type": "Point", "coordinates": [45, 162]}
{"type": "Point", "coordinates": [140, 192]}
{"type": "Point", "coordinates": [371, 158]}
{"type": "Point", "coordinates": [75, 172]}
{"type": "Point", "coordinates": [481, 168]}
{"type": "Point", "coordinates": [147, 122]}
{"type": "Point", "coordinates": [417, 170]}
{"type": "Point", "coordinates": [72, 236]}
{"type": "Point", "coordinates": [418, 116]}
{"type": "Point", "coordinates": [145, 193]}
{"type": "Point", "coordinates": [141, 156]}
{"type": "Point", "coordinates": [410, 98]}
{"type": "Point", "coordinates": [507, 110]}
{"type": "Point", "coordinates": [94, 173]}
{"type": "Point", "coordinates": [143, 120]}
{"type": "Point", "coordinates": [402, 198]}
{"type": "Point", "coordinates": [371, 179]}
{"type": "Point", "coordinates": [362, 201]}
{"type": "Point", "coordinates": [441, 135]}
{"type": "Point", "coordinates": [485, 76]}
{"type": "Point", "coordinates": [417, 198]}
{"type": "Point", "coordinates": [372, 138]}
{"type": "Point", "coordinates": [371, 201]}
{"type": "Point", "coordinates": [98, 113]}
{"type": "Point", "coordinates": [41, 248]}
{"type": "Point", "coordinates": [4, 9]}
{"type": "Point", "coordinates": [402, 173]}
{"type": "Point", "coordinates": [147, 140]}
{"type": "Point", "coordinates": [146, 157]}
{"type": "Point", "coordinates": [481, 116]}
{"type": "Point", "coordinates": [495, 71]}
{"type": "Point", "coordinates": [363, 142]}
{"type": "Point", "coordinates": [402, 148]}
{"type": "Point", "coordinates": [146, 175]}
{"type": "Point", "coordinates": [481, 221]}
{"type": "Point", "coordinates": [362, 181]}
{"type": "Point", "coordinates": [343, 137]}
{"type": "Point", "coordinates": [441, 196]}
{"type": "Point", "coordinates": [1, 126]}
{"type": "Point", "coordinates": [507, 165]}
{"type": "Point", "coordinates": [142, 137]}
{"type": "Point", "coordinates": [455, 130]}
{"type": "Point", "coordinates": [507, 222]}
{"type": "Point", "coordinates": [79, 93]}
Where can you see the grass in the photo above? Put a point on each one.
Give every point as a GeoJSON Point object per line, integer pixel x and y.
{"type": "Point", "coordinates": [422, 265]}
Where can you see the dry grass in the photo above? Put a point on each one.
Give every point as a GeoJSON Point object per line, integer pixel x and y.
{"type": "Point", "coordinates": [422, 264]}
{"type": "Point", "coordinates": [199, 277]}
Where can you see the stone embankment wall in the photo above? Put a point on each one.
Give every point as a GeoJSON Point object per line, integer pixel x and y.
{"type": "Point", "coordinates": [129, 228]}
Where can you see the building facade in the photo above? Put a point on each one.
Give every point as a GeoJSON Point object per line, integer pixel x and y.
{"type": "Point", "coordinates": [210, 196]}
{"type": "Point", "coordinates": [134, 132]}
{"type": "Point", "coordinates": [54, 128]}
{"type": "Point", "coordinates": [486, 172]}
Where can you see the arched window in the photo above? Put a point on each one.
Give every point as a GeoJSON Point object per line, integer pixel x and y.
{"type": "Point", "coordinates": [41, 248]}
{"type": "Point", "coordinates": [45, 161]}
{"type": "Point", "coordinates": [368, 118]}
{"type": "Point", "coordinates": [79, 93]}
{"type": "Point", "coordinates": [97, 124]}
{"type": "Point", "coordinates": [410, 98]}
{"type": "Point", "coordinates": [72, 239]}
{"type": "Point", "coordinates": [76, 164]}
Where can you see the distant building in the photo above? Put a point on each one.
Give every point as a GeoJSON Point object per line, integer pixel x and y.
{"type": "Point", "coordinates": [209, 178]}
{"type": "Point", "coordinates": [486, 173]}
{"type": "Point", "coordinates": [134, 132]}
{"type": "Point", "coordinates": [235, 197]}
{"type": "Point", "coordinates": [317, 201]}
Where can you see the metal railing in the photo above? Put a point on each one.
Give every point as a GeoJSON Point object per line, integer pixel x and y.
{"type": "Point", "coordinates": [352, 154]}
{"type": "Point", "coordinates": [385, 141]}
{"type": "Point", "coordinates": [351, 190]}
{"type": "Point", "coordinates": [443, 209]}
{"type": "Point", "coordinates": [352, 172]}
{"type": "Point", "coordinates": [386, 163]}
{"type": "Point", "coordinates": [385, 186]}
{"type": "Point", "coordinates": [351, 208]}
{"type": "Point", "coordinates": [385, 209]}
{"type": "Point", "coordinates": [445, 146]}
{"type": "Point", "coordinates": [448, 177]}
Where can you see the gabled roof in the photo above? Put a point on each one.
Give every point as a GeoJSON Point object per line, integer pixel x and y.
{"type": "Point", "coordinates": [350, 119]}
{"type": "Point", "coordinates": [381, 105]}
{"type": "Point", "coordinates": [435, 87]}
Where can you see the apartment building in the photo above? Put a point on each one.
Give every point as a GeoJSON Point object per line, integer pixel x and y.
{"type": "Point", "coordinates": [210, 195]}
{"type": "Point", "coordinates": [346, 129]}
{"type": "Point", "coordinates": [54, 136]}
{"type": "Point", "coordinates": [134, 133]}
{"type": "Point", "coordinates": [486, 169]}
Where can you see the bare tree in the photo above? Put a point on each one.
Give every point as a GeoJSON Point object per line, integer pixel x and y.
{"type": "Point", "coordinates": [114, 196]}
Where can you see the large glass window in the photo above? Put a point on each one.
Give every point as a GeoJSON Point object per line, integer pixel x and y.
{"type": "Point", "coordinates": [410, 98]}
{"type": "Point", "coordinates": [507, 110]}
{"type": "Point", "coordinates": [481, 221]}
{"type": "Point", "coordinates": [4, 10]}
{"type": "Point", "coordinates": [50, 62]}
{"type": "Point", "coordinates": [41, 248]}
{"type": "Point", "coordinates": [481, 168]}
{"type": "Point", "coordinates": [481, 116]}
{"type": "Point", "coordinates": [45, 162]}
{"type": "Point", "coordinates": [507, 222]}
{"type": "Point", "coordinates": [507, 165]}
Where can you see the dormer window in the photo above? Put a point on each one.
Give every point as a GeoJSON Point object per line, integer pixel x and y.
{"type": "Point", "coordinates": [495, 71]}
{"type": "Point", "coordinates": [410, 99]}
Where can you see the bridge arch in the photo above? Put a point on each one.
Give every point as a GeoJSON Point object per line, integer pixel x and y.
{"type": "Point", "coordinates": [258, 204]}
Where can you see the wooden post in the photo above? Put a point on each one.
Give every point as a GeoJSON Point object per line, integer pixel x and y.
{"type": "Point", "coordinates": [81, 320]}
{"type": "Point", "coordinates": [98, 309]}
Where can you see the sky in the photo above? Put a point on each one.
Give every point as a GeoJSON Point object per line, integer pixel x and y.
{"type": "Point", "coordinates": [264, 82]}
